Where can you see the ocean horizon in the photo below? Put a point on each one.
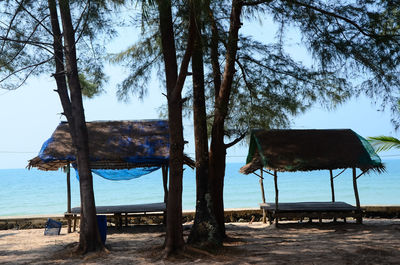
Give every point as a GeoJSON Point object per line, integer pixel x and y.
{"type": "Point", "coordinates": [34, 192]}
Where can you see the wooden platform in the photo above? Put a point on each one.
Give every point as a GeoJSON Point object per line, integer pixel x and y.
{"type": "Point", "coordinates": [133, 208]}
{"type": "Point", "coordinates": [118, 211]}
{"type": "Point", "coordinates": [300, 210]}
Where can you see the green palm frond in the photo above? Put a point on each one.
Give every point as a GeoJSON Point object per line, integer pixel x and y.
{"type": "Point", "coordinates": [384, 143]}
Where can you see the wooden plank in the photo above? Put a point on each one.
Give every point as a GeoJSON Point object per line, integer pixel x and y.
{"type": "Point", "coordinates": [319, 215]}
{"type": "Point", "coordinates": [309, 206]}
{"type": "Point", "coordinates": [135, 208]}
{"type": "Point", "coordinates": [301, 210]}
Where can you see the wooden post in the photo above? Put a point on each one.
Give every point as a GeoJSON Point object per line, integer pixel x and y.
{"type": "Point", "coordinates": [165, 183]}
{"type": "Point", "coordinates": [69, 197]}
{"type": "Point", "coordinates": [333, 190]}
{"type": "Point", "coordinates": [75, 218]}
{"type": "Point", "coordinates": [264, 219]}
{"type": "Point", "coordinates": [332, 186]}
{"type": "Point", "coordinates": [359, 219]}
{"type": "Point", "coordinates": [276, 196]}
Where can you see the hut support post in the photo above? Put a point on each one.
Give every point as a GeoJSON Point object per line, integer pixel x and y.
{"type": "Point", "coordinates": [359, 218]}
{"type": "Point", "coordinates": [333, 190]}
{"type": "Point", "coordinates": [264, 218]}
{"type": "Point", "coordinates": [69, 221]}
{"type": "Point", "coordinates": [165, 183]}
{"type": "Point", "coordinates": [332, 186]}
{"type": "Point", "coordinates": [276, 196]}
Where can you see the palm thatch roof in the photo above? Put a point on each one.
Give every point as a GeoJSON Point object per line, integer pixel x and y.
{"type": "Point", "coordinates": [112, 145]}
{"type": "Point", "coordinates": [306, 150]}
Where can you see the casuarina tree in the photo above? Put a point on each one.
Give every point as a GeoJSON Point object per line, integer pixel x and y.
{"type": "Point", "coordinates": [174, 84]}
{"type": "Point", "coordinates": [354, 47]}
{"type": "Point", "coordinates": [41, 36]}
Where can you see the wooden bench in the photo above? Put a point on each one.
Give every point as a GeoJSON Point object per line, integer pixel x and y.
{"type": "Point", "coordinates": [120, 210]}
{"type": "Point", "coordinates": [300, 210]}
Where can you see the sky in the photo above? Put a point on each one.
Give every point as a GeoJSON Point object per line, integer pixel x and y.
{"type": "Point", "coordinates": [29, 115]}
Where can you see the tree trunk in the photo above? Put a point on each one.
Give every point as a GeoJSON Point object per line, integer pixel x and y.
{"type": "Point", "coordinates": [89, 238]}
{"type": "Point", "coordinates": [217, 173]}
{"type": "Point", "coordinates": [214, 53]}
{"type": "Point", "coordinates": [218, 148]}
{"type": "Point", "coordinates": [205, 231]}
{"type": "Point", "coordinates": [174, 235]}
{"type": "Point", "coordinates": [59, 75]}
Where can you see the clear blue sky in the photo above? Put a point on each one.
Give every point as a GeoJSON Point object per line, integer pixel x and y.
{"type": "Point", "coordinates": [29, 115]}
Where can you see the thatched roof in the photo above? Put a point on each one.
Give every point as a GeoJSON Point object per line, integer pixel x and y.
{"type": "Point", "coordinates": [305, 150]}
{"type": "Point", "coordinates": [112, 145]}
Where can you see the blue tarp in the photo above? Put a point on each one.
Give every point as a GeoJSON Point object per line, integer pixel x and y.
{"type": "Point", "coordinates": [120, 174]}
{"type": "Point", "coordinates": [124, 174]}
{"type": "Point", "coordinates": [136, 143]}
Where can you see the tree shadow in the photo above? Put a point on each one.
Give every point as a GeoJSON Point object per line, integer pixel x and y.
{"type": "Point", "coordinates": [9, 234]}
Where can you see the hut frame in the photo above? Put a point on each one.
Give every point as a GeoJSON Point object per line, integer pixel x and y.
{"type": "Point", "coordinates": [113, 145]}
{"type": "Point", "coordinates": [269, 149]}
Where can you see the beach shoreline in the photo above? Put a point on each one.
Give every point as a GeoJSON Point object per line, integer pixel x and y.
{"type": "Point", "coordinates": [231, 215]}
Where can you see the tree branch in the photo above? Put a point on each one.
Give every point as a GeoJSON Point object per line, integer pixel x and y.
{"type": "Point", "coordinates": [216, 68]}
{"type": "Point", "coordinates": [186, 58]}
{"type": "Point", "coordinates": [241, 137]}
{"type": "Point", "coordinates": [351, 22]}
{"type": "Point", "coordinates": [23, 47]}
{"type": "Point", "coordinates": [82, 15]}
{"type": "Point", "coordinates": [254, 3]}
{"type": "Point", "coordinates": [322, 11]}
{"type": "Point", "coordinates": [32, 16]}
{"type": "Point", "coordinates": [35, 43]}
{"type": "Point", "coordinates": [26, 67]}
{"type": "Point", "coordinates": [26, 77]}
{"type": "Point", "coordinates": [245, 78]}
{"type": "Point", "coordinates": [9, 26]}
{"type": "Point", "coordinates": [291, 74]}
{"type": "Point", "coordinates": [79, 21]}
{"type": "Point", "coordinates": [41, 45]}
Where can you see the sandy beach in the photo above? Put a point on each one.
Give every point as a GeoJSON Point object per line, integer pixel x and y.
{"type": "Point", "coordinates": [377, 241]}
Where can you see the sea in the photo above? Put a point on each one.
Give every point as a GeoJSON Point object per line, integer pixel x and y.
{"type": "Point", "coordinates": [33, 192]}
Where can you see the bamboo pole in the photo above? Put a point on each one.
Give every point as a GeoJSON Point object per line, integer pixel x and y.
{"type": "Point", "coordinates": [69, 197]}
{"type": "Point", "coordinates": [264, 218]}
{"type": "Point", "coordinates": [276, 196]}
{"type": "Point", "coordinates": [332, 186]}
{"type": "Point", "coordinates": [359, 219]}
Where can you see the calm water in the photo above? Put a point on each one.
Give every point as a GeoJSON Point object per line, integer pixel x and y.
{"type": "Point", "coordinates": [24, 192]}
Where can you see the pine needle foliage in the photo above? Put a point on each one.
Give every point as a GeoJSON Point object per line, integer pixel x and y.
{"type": "Point", "coordinates": [26, 41]}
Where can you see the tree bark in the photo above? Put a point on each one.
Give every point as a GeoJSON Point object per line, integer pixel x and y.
{"type": "Point", "coordinates": [214, 54]}
{"type": "Point", "coordinates": [89, 238]}
{"type": "Point", "coordinates": [174, 235]}
{"type": "Point", "coordinates": [218, 148]}
{"type": "Point", "coordinates": [205, 231]}
{"type": "Point", "coordinates": [59, 75]}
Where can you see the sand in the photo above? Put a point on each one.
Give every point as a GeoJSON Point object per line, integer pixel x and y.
{"type": "Point", "coordinates": [377, 241]}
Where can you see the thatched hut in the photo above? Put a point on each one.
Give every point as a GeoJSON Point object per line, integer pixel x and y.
{"type": "Point", "coordinates": [306, 150]}
{"type": "Point", "coordinates": [119, 150]}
